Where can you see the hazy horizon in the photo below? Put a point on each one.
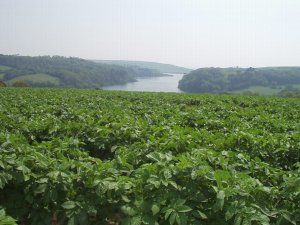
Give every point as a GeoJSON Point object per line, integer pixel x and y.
{"type": "Point", "coordinates": [192, 34]}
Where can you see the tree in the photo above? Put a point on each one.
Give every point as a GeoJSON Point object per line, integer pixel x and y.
{"type": "Point", "coordinates": [2, 84]}
{"type": "Point", "coordinates": [20, 84]}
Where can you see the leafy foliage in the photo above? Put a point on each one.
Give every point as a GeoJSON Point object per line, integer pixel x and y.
{"type": "Point", "coordinates": [2, 84]}
{"type": "Point", "coordinates": [5, 219]}
{"type": "Point", "coordinates": [98, 157]}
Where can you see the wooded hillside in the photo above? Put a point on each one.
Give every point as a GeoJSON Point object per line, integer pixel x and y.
{"type": "Point", "coordinates": [220, 80]}
{"type": "Point", "coordinates": [57, 71]}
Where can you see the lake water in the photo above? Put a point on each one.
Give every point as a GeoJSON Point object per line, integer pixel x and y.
{"type": "Point", "coordinates": [152, 84]}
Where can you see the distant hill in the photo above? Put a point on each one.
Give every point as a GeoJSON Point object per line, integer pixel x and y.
{"type": "Point", "coordinates": [57, 71]}
{"type": "Point", "coordinates": [264, 81]}
{"type": "Point", "coordinates": [160, 67]}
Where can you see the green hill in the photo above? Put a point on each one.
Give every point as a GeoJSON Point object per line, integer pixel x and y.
{"type": "Point", "coordinates": [160, 67]}
{"type": "Point", "coordinates": [57, 71]}
{"type": "Point", "coordinates": [264, 81]}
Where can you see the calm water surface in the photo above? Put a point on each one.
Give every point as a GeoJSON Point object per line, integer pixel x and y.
{"type": "Point", "coordinates": [154, 84]}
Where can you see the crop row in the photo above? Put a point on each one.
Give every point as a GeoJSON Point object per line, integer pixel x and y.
{"type": "Point", "coordinates": [99, 157]}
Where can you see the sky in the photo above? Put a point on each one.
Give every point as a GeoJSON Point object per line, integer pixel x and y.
{"type": "Point", "coordinates": [189, 33]}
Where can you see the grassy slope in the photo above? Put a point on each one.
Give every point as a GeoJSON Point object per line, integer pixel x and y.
{"type": "Point", "coordinates": [161, 67]}
{"type": "Point", "coordinates": [265, 90]}
{"type": "Point", "coordinates": [3, 68]}
{"type": "Point", "coordinates": [37, 78]}
{"type": "Point", "coordinates": [260, 90]}
{"type": "Point", "coordinates": [296, 86]}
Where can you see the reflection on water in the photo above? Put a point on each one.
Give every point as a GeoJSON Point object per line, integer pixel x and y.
{"type": "Point", "coordinates": [154, 84]}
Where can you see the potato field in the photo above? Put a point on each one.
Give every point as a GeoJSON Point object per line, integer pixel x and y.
{"type": "Point", "coordinates": [93, 157]}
